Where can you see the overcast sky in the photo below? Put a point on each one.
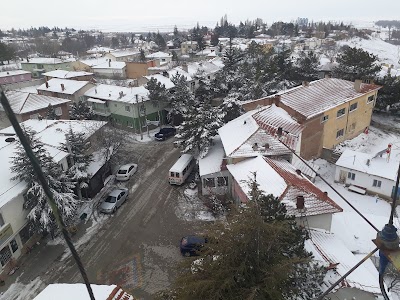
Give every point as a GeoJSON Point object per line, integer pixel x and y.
{"type": "Point", "coordinates": [126, 15]}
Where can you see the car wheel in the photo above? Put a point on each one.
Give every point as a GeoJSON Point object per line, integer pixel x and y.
{"type": "Point", "coordinates": [114, 209]}
{"type": "Point", "coordinates": [186, 254]}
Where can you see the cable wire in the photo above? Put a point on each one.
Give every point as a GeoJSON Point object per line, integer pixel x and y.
{"type": "Point", "coordinates": [36, 166]}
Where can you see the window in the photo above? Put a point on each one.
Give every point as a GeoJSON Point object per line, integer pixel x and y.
{"type": "Point", "coordinates": [353, 106]}
{"type": "Point", "coordinates": [1, 221]}
{"type": "Point", "coordinates": [377, 183]}
{"type": "Point", "coordinates": [58, 111]}
{"type": "Point", "coordinates": [172, 174]}
{"type": "Point", "coordinates": [5, 255]}
{"type": "Point", "coordinates": [209, 182]}
{"type": "Point", "coordinates": [324, 119]}
{"type": "Point", "coordinates": [370, 99]}
{"type": "Point", "coordinates": [177, 174]}
{"type": "Point", "coordinates": [341, 112]}
{"type": "Point", "coordinates": [127, 108]}
{"type": "Point", "coordinates": [339, 133]}
{"type": "Point", "coordinates": [26, 233]}
{"type": "Point", "coordinates": [14, 245]}
{"type": "Point", "coordinates": [222, 181]}
{"type": "Point", "coordinates": [351, 176]}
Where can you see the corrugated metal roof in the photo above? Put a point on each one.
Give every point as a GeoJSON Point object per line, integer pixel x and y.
{"type": "Point", "coordinates": [322, 95]}
{"type": "Point", "coordinates": [316, 202]}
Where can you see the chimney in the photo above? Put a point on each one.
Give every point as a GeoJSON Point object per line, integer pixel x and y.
{"type": "Point", "coordinates": [8, 73]}
{"type": "Point", "coordinates": [279, 131]}
{"type": "Point", "coordinates": [298, 171]}
{"type": "Point", "coordinates": [389, 71]}
{"type": "Point", "coordinates": [255, 146]}
{"type": "Point", "coordinates": [109, 63]}
{"type": "Point", "coordinates": [62, 87]}
{"type": "Point", "coordinates": [300, 202]}
{"type": "Point", "coordinates": [326, 195]}
{"type": "Point", "coordinates": [27, 59]}
{"type": "Point", "coordinates": [165, 74]}
{"type": "Point", "coordinates": [47, 85]}
{"type": "Point", "coordinates": [305, 83]}
{"type": "Point", "coordinates": [121, 94]}
{"type": "Point", "coordinates": [357, 85]}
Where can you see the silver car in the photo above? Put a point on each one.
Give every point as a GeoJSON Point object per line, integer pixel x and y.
{"type": "Point", "coordinates": [114, 200]}
{"type": "Point", "coordinates": [126, 171]}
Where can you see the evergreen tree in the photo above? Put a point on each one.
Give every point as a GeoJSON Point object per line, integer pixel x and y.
{"type": "Point", "coordinates": [389, 94]}
{"type": "Point", "coordinates": [51, 113]}
{"type": "Point", "coordinates": [142, 56]}
{"type": "Point", "coordinates": [307, 67]}
{"type": "Point", "coordinates": [231, 108]}
{"type": "Point", "coordinates": [159, 40]}
{"type": "Point", "coordinates": [182, 98]}
{"type": "Point", "coordinates": [200, 125]}
{"type": "Point", "coordinates": [204, 91]}
{"type": "Point", "coordinates": [36, 202]}
{"type": "Point", "coordinates": [157, 94]}
{"type": "Point", "coordinates": [258, 253]}
{"type": "Point", "coordinates": [81, 111]}
{"type": "Point", "coordinates": [355, 63]}
{"type": "Point", "coordinates": [77, 147]}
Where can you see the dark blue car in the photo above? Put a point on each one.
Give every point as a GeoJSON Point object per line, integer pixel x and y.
{"type": "Point", "coordinates": [191, 245]}
{"type": "Point", "coordinates": [165, 133]}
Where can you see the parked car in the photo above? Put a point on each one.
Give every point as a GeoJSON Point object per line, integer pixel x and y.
{"type": "Point", "coordinates": [165, 133]}
{"type": "Point", "coordinates": [126, 171]}
{"type": "Point", "coordinates": [114, 200]}
{"type": "Point", "coordinates": [190, 245]}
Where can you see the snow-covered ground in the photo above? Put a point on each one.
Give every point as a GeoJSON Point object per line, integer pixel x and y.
{"type": "Point", "coordinates": [190, 207]}
{"type": "Point", "coordinates": [386, 52]}
{"type": "Point", "coordinates": [19, 291]}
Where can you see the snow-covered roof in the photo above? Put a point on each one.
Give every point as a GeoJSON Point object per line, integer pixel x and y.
{"type": "Point", "coordinates": [94, 62]}
{"type": "Point", "coordinates": [99, 50]}
{"type": "Point", "coordinates": [159, 54]}
{"type": "Point", "coordinates": [123, 53]}
{"type": "Point", "coordinates": [386, 71]}
{"type": "Point", "coordinates": [52, 134]}
{"type": "Point", "coordinates": [44, 60]}
{"type": "Point", "coordinates": [162, 79]}
{"type": "Point", "coordinates": [26, 102]}
{"type": "Point", "coordinates": [181, 72]}
{"type": "Point", "coordinates": [66, 74]}
{"type": "Point", "coordinates": [70, 86]}
{"type": "Point", "coordinates": [315, 201]}
{"type": "Point", "coordinates": [243, 137]}
{"type": "Point", "coordinates": [78, 291]}
{"type": "Point", "coordinates": [206, 52]}
{"type": "Point", "coordinates": [203, 66]}
{"type": "Point", "coordinates": [270, 182]}
{"type": "Point", "coordinates": [217, 61]}
{"type": "Point", "coordinates": [113, 93]}
{"type": "Point", "coordinates": [330, 250]}
{"type": "Point", "coordinates": [181, 162]}
{"type": "Point", "coordinates": [322, 95]}
{"type": "Point", "coordinates": [110, 65]}
{"type": "Point", "coordinates": [368, 164]}
{"type": "Point", "coordinates": [212, 162]}
{"type": "Point", "coordinates": [13, 73]}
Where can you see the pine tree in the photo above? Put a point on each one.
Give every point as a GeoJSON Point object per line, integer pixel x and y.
{"type": "Point", "coordinates": [231, 108]}
{"type": "Point", "coordinates": [258, 253]}
{"type": "Point", "coordinates": [77, 147]}
{"type": "Point", "coordinates": [355, 63]}
{"type": "Point", "coordinates": [389, 95]}
{"type": "Point", "coordinates": [36, 202]}
{"type": "Point", "coordinates": [142, 56]}
{"type": "Point", "coordinates": [200, 125]}
{"type": "Point", "coordinates": [307, 67]}
{"type": "Point", "coordinates": [204, 92]}
{"type": "Point", "coordinates": [81, 111]}
{"type": "Point", "coordinates": [181, 99]}
{"type": "Point", "coordinates": [158, 94]}
{"type": "Point", "coordinates": [51, 113]}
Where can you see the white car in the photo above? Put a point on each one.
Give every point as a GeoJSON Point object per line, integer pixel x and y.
{"type": "Point", "coordinates": [126, 171]}
{"type": "Point", "coordinates": [114, 200]}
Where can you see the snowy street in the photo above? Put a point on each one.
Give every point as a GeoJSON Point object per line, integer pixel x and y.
{"type": "Point", "coordinates": [137, 248]}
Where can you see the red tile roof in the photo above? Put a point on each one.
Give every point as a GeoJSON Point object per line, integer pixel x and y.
{"type": "Point", "coordinates": [316, 202]}
{"type": "Point", "coordinates": [322, 95]}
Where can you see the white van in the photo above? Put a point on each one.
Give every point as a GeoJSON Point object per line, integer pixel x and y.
{"type": "Point", "coordinates": [181, 169]}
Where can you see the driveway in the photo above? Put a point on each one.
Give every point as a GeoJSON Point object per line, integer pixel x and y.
{"type": "Point", "coordinates": [137, 247]}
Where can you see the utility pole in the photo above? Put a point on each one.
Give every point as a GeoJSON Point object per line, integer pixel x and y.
{"type": "Point", "coordinates": [138, 111]}
{"type": "Point", "coordinates": [145, 117]}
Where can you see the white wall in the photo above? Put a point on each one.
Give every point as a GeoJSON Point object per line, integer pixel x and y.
{"type": "Point", "coordinates": [215, 190]}
{"type": "Point", "coordinates": [14, 214]}
{"type": "Point", "coordinates": [366, 181]}
{"type": "Point", "coordinates": [107, 72]}
{"type": "Point", "coordinates": [318, 221]}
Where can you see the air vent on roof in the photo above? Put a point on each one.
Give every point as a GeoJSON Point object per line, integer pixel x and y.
{"type": "Point", "coordinates": [10, 139]}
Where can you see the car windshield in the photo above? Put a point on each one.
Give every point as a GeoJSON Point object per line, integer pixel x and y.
{"type": "Point", "coordinates": [111, 199]}
{"type": "Point", "coordinates": [122, 171]}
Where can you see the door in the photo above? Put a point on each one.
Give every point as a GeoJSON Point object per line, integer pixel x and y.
{"type": "Point", "coordinates": [342, 176]}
